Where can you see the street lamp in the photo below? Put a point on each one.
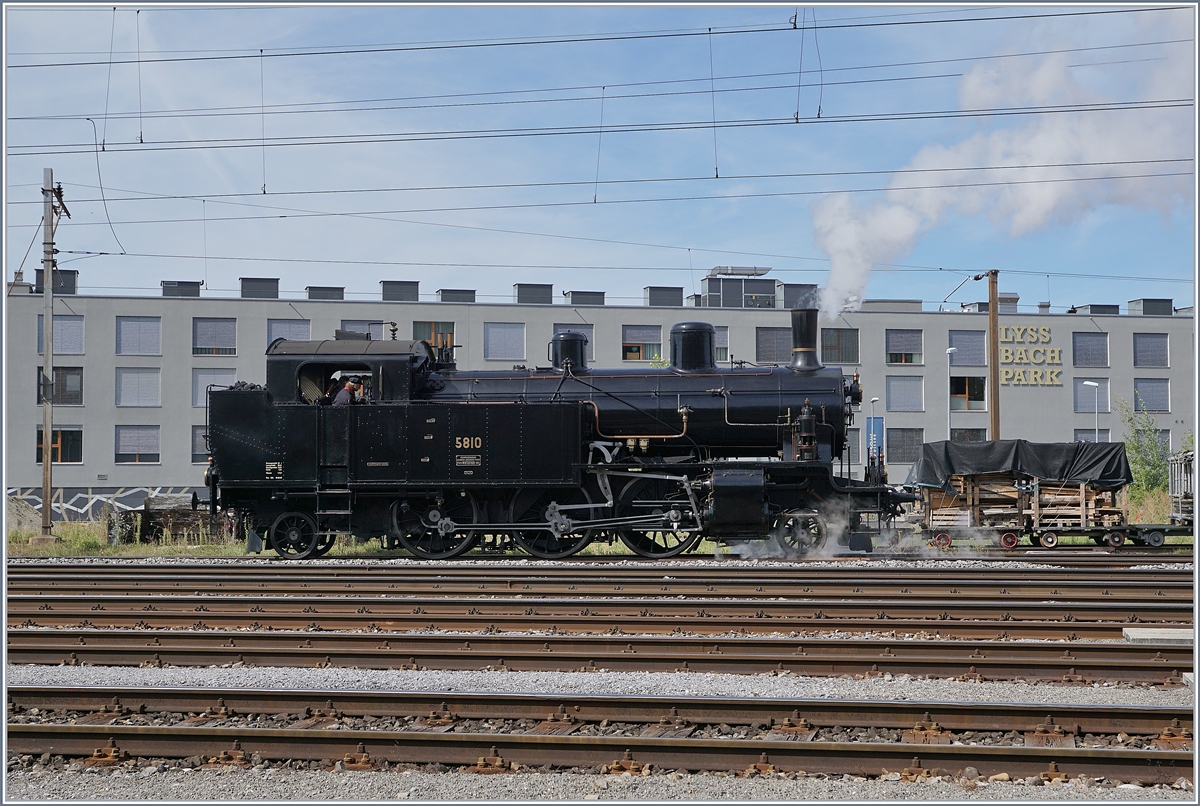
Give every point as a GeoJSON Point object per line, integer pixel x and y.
{"type": "Point", "coordinates": [949, 352]}
{"type": "Point", "coordinates": [1096, 397]}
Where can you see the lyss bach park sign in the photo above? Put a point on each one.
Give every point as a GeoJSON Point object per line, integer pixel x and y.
{"type": "Point", "coordinates": [1040, 359]}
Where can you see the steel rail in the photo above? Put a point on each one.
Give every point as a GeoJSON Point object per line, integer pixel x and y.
{"type": "Point", "coordinates": [1103, 589]}
{"type": "Point", "coordinates": [364, 609]}
{"type": "Point", "coordinates": [1135, 720]}
{"type": "Point", "coordinates": [861, 758]}
{"type": "Point", "coordinates": [979, 660]}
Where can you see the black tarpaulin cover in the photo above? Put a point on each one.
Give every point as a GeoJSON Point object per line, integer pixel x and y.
{"type": "Point", "coordinates": [1103, 465]}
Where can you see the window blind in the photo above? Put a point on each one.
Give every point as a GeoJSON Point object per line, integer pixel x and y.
{"type": "Point", "coordinates": [1085, 396]}
{"type": "Point", "coordinates": [214, 333]}
{"type": "Point", "coordinates": [903, 445]}
{"type": "Point", "coordinates": [641, 334]}
{"type": "Point", "coordinates": [1089, 435]}
{"type": "Point", "coordinates": [137, 439]}
{"type": "Point", "coordinates": [139, 335]}
{"type": "Point", "coordinates": [201, 378]}
{"type": "Point", "coordinates": [1089, 349]}
{"type": "Point", "coordinates": [970, 346]}
{"type": "Point", "coordinates": [772, 345]}
{"type": "Point", "coordinates": [905, 393]}
{"type": "Point", "coordinates": [68, 335]}
{"type": "Point", "coordinates": [1154, 394]}
{"type": "Point", "coordinates": [839, 345]}
{"type": "Point", "coordinates": [290, 329]}
{"type": "Point", "coordinates": [504, 341]}
{"type": "Point", "coordinates": [364, 326]}
{"type": "Point", "coordinates": [903, 341]}
{"type": "Point", "coordinates": [587, 330]}
{"type": "Point", "coordinates": [199, 448]}
{"type": "Point", "coordinates": [1150, 349]}
{"type": "Point", "coordinates": [853, 446]}
{"type": "Point", "coordinates": [138, 386]}
{"type": "Point", "coordinates": [722, 337]}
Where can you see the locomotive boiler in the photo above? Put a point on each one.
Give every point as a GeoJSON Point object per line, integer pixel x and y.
{"type": "Point", "coordinates": [545, 459]}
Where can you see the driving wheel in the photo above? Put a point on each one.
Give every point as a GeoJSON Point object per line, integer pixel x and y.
{"type": "Point", "coordinates": [655, 498]}
{"type": "Point", "coordinates": [538, 506]}
{"type": "Point", "coordinates": [1049, 540]}
{"type": "Point", "coordinates": [430, 530]}
{"type": "Point", "coordinates": [799, 533]}
{"type": "Point", "coordinates": [294, 535]}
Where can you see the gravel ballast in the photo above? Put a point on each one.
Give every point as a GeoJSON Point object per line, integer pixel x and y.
{"type": "Point", "coordinates": [670, 684]}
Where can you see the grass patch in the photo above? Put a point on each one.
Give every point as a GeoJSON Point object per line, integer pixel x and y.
{"type": "Point", "coordinates": [88, 539]}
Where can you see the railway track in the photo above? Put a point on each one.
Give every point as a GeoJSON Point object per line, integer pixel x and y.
{"type": "Point", "coordinates": [504, 732]}
{"type": "Point", "coordinates": [1085, 663]}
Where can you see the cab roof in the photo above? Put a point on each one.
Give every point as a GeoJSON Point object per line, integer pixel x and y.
{"type": "Point", "coordinates": [348, 347]}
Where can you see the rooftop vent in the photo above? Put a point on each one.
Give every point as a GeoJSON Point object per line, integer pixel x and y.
{"type": "Point", "coordinates": [659, 296]}
{"type": "Point", "coordinates": [325, 292]}
{"type": "Point", "coordinates": [533, 294]}
{"type": "Point", "coordinates": [456, 295]}
{"type": "Point", "coordinates": [738, 271]}
{"type": "Point", "coordinates": [260, 287]}
{"type": "Point", "coordinates": [1151, 307]}
{"type": "Point", "coordinates": [584, 297]}
{"type": "Point", "coordinates": [181, 288]}
{"type": "Point", "coordinates": [401, 290]}
{"type": "Point", "coordinates": [64, 282]}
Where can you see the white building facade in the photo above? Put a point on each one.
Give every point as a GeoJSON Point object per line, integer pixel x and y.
{"type": "Point", "coordinates": [131, 372]}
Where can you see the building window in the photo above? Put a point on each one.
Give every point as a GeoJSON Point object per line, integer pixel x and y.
{"type": "Point", "coordinates": [68, 335]}
{"type": "Point", "coordinates": [904, 445]}
{"type": "Point", "coordinates": [641, 342]}
{"type": "Point", "coordinates": [68, 386]}
{"type": "Point", "coordinates": [1151, 394]}
{"type": "Point", "coordinates": [1164, 438]}
{"type": "Point", "coordinates": [903, 346]}
{"type": "Point", "coordinates": [967, 394]}
{"type": "Point", "coordinates": [203, 378]}
{"type": "Point", "coordinates": [1089, 435]}
{"type": "Point", "coordinates": [969, 348]}
{"type": "Point", "coordinates": [905, 393]}
{"type": "Point", "coordinates": [199, 445]}
{"type": "Point", "coordinates": [1150, 350]}
{"type": "Point", "coordinates": [1089, 349]}
{"type": "Point", "coordinates": [587, 330]}
{"type": "Point", "coordinates": [1086, 397]}
{"type": "Point", "coordinates": [968, 435]}
{"type": "Point", "coordinates": [139, 335]}
{"type": "Point", "coordinates": [504, 341]}
{"type": "Point", "coordinates": [66, 447]}
{"type": "Point", "coordinates": [773, 345]}
{"type": "Point", "coordinates": [854, 446]}
{"type": "Point", "coordinates": [214, 336]}
{"type": "Point", "coordinates": [434, 332]}
{"type": "Point", "coordinates": [375, 329]}
{"type": "Point", "coordinates": [136, 444]}
{"type": "Point", "coordinates": [839, 345]}
{"type": "Point", "coordinates": [138, 386]}
{"type": "Point", "coordinates": [290, 329]}
{"type": "Point", "coordinates": [722, 343]}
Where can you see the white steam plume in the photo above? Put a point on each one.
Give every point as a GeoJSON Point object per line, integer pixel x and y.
{"type": "Point", "coordinates": [856, 238]}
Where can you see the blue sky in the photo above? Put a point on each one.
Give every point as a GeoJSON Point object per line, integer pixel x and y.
{"type": "Point", "coordinates": [420, 139]}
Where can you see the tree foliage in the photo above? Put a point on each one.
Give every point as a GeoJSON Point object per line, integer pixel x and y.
{"type": "Point", "coordinates": [1147, 452]}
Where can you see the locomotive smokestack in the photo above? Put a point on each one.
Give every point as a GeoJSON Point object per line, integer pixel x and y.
{"type": "Point", "coordinates": [804, 339]}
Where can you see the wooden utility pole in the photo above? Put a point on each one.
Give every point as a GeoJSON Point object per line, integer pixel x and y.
{"type": "Point", "coordinates": [994, 352]}
{"type": "Point", "coordinates": [47, 378]}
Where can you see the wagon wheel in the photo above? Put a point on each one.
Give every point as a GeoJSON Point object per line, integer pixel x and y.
{"type": "Point", "coordinates": [294, 535]}
{"type": "Point", "coordinates": [533, 506]}
{"type": "Point", "coordinates": [423, 529]}
{"type": "Point", "coordinates": [943, 540]}
{"type": "Point", "coordinates": [649, 496]}
{"type": "Point", "coordinates": [1009, 540]}
{"type": "Point", "coordinates": [799, 533]}
{"type": "Point", "coordinates": [1154, 539]}
{"type": "Point", "coordinates": [1048, 540]}
{"type": "Point", "coordinates": [1115, 539]}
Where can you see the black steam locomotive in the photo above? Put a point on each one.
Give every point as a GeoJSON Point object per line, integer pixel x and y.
{"type": "Point", "coordinates": [549, 459]}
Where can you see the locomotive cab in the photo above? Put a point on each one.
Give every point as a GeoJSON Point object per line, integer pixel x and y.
{"type": "Point", "coordinates": [300, 371]}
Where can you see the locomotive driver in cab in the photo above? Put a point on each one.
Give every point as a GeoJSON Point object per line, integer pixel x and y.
{"type": "Point", "coordinates": [347, 395]}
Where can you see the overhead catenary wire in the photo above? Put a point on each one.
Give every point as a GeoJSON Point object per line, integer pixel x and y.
{"type": "Point", "coordinates": [100, 180]}
{"type": "Point", "coordinates": [559, 131]}
{"type": "Point", "coordinates": [777, 28]}
{"type": "Point", "coordinates": [715, 197]}
{"type": "Point", "coordinates": [290, 108]}
{"type": "Point", "coordinates": [108, 84]}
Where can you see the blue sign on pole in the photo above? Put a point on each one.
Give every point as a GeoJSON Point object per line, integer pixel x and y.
{"type": "Point", "coordinates": [874, 437]}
